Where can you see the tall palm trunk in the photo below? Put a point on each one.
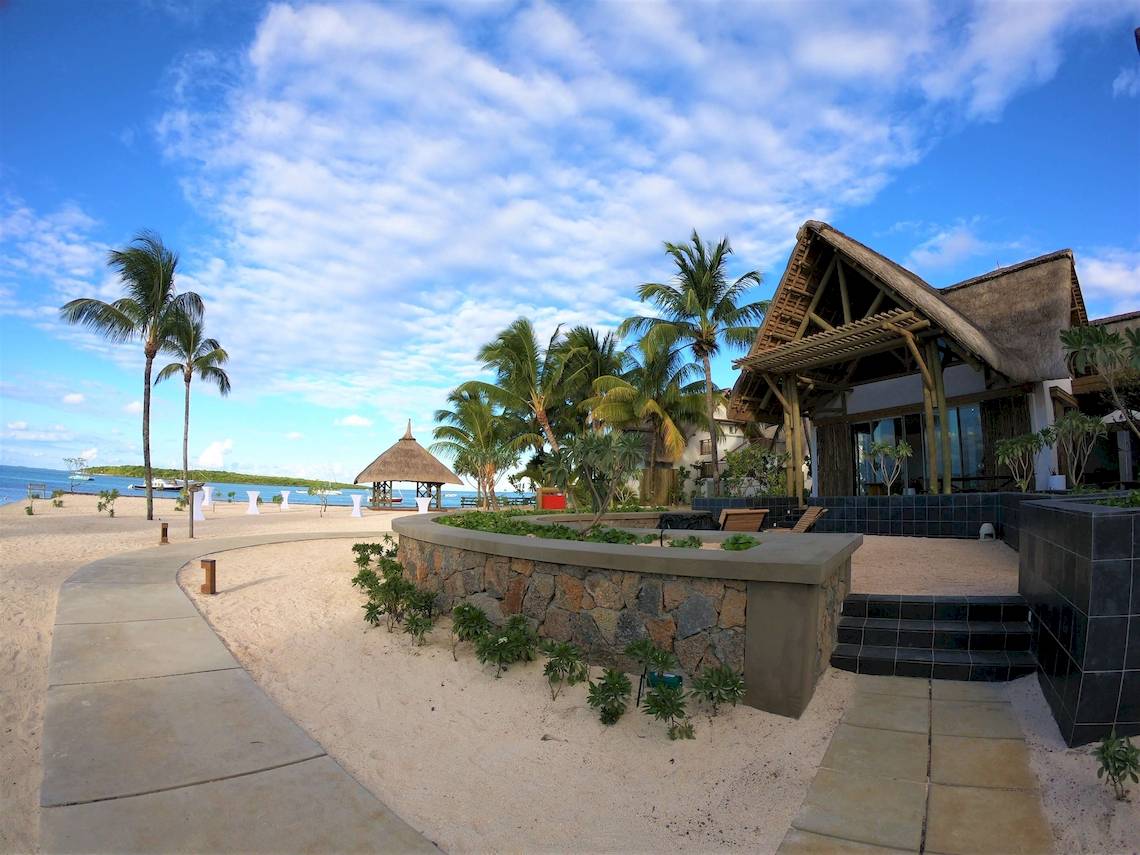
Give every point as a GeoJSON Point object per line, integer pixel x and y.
{"type": "Point", "coordinates": [186, 439]}
{"type": "Point", "coordinates": [651, 471]}
{"type": "Point", "coordinates": [146, 433]}
{"type": "Point", "coordinates": [712, 423]}
{"type": "Point", "coordinates": [544, 423]}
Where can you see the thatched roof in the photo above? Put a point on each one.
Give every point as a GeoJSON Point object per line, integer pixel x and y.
{"type": "Point", "coordinates": [1009, 318]}
{"type": "Point", "coordinates": [407, 460]}
{"type": "Point", "coordinates": [1119, 323]}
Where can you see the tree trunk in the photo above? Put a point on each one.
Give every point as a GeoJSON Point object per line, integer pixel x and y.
{"type": "Point", "coordinates": [186, 442]}
{"type": "Point", "coordinates": [651, 472]}
{"type": "Point", "coordinates": [146, 437]}
{"type": "Point", "coordinates": [712, 424]}
{"type": "Point", "coordinates": [544, 423]}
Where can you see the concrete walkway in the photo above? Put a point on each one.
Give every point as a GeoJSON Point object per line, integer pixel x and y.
{"type": "Point", "coordinates": [156, 739]}
{"type": "Point", "coordinates": [923, 766]}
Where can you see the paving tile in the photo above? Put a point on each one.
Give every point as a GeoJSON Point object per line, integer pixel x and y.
{"type": "Point", "coordinates": [904, 686]}
{"type": "Point", "coordinates": [974, 718]}
{"type": "Point", "coordinates": [311, 806]}
{"type": "Point", "coordinates": [971, 762]}
{"type": "Point", "coordinates": [880, 811]}
{"type": "Point", "coordinates": [103, 740]}
{"type": "Point", "coordinates": [101, 602]}
{"type": "Point", "coordinates": [889, 712]}
{"type": "Point", "coordinates": [798, 842]}
{"type": "Point", "coordinates": [98, 652]}
{"type": "Point", "coordinates": [975, 821]}
{"type": "Point", "coordinates": [882, 753]}
{"type": "Point", "coordinates": [954, 690]}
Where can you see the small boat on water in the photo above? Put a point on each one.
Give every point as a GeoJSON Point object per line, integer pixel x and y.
{"type": "Point", "coordinates": [161, 484]}
{"type": "Point", "coordinates": [80, 477]}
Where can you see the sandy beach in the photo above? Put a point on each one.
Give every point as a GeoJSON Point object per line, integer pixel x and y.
{"type": "Point", "coordinates": [37, 554]}
{"type": "Point", "coordinates": [476, 763]}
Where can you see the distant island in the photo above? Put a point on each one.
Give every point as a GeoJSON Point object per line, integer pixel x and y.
{"type": "Point", "coordinates": [221, 475]}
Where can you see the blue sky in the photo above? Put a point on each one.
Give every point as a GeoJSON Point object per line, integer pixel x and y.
{"type": "Point", "coordinates": [364, 193]}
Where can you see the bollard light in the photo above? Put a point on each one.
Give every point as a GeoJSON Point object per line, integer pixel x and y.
{"type": "Point", "coordinates": [165, 539]}
{"type": "Point", "coordinates": [210, 586]}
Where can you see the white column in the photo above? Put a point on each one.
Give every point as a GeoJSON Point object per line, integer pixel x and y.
{"type": "Point", "coordinates": [422, 503]}
{"type": "Point", "coordinates": [199, 499]}
{"type": "Point", "coordinates": [207, 493]}
{"type": "Point", "coordinates": [285, 499]}
{"type": "Point", "coordinates": [356, 497]}
{"type": "Point", "coordinates": [1040, 417]}
{"type": "Point", "coordinates": [252, 509]}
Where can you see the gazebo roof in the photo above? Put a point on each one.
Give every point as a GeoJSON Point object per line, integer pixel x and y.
{"type": "Point", "coordinates": [407, 460]}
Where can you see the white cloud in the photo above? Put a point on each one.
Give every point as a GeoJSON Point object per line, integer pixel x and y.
{"type": "Point", "coordinates": [293, 436]}
{"type": "Point", "coordinates": [22, 432]}
{"type": "Point", "coordinates": [89, 454]}
{"type": "Point", "coordinates": [354, 421]}
{"type": "Point", "coordinates": [17, 425]}
{"type": "Point", "coordinates": [951, 245]}
{"type": "Point", "coordinates": [72, 398]}
{"type": "Point", "coordinates": [213, 456]}
{"type": "Point", "coordinates": [1110, 278]}
{"type": "Point", "coordinates": [1127, 83]}
{"type": "Point", "coordinates": [133, 408]}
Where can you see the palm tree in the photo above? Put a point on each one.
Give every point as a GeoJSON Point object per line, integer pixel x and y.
{"type": "Point", "coordinates": [148, 311]}
{"type": "Point", "coordinates": [481, 442]}
{"type": "Point", "coordinates": [657, 391]}
{"type": "Point", "coordinates": [528, 377]}
{"type": "Point", "coordinates": [589, 355]}
{"type": "Point", "coordinates": [700, 309]}
{"type": "Point", "coordinates": [201, 356]}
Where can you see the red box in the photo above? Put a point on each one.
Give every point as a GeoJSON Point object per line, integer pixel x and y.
{"type": "Point", "coordinates": [553, 502]}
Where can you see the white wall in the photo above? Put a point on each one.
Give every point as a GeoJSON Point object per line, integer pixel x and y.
{"type": "Point", "coordinates": [1041, 415]}
{"type": "Point", "coordinates": [907, 391]}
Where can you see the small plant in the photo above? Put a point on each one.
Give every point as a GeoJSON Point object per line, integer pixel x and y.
{"type": "Point", "coordinates": [230, 495]}
{"type": "Point", "coordinates": [1019, 453]}
{"type": "Point", "coordinates": [886, 460]}
{"type": "Point", "coordinates": [418, 625]}
{"type": "Point", "coordinates": [654, 662]}
{"type": "Point", "coordinates": [420, 601]}
{"type": "Point", "coordinates": [1075, 434]}
{"type": "Point", "coordinates": [666, 702]}
{"type": "Point", "coordinates": [391, 592]}
{"type": "Point", "coordinates": [57, 503]}
{"type": "Point", "coordinates": [690, 542]}
{"type": "Point", "coordinates": [610, 695]}
{"type": "Point", "coordinates": [738, 542]}
{"type": "Point", "coordinates": [180, 502]}
{"type": "Point", "coordinates": [363, 553]}
{"type": "Point", "coordinates": [468, 623]}
{"type": "Point", "coordinates": [514, 642]}
{"type": "Point", "coordinates": [277, 500]}
{"type": "Point", "coordinates": [720, 685]}
{"type": "Point", "coordinates": [322, 495]}
{"type": "Point", "coordinates": [565, 667]}
{"type": "Point", "coordinates": [1119, 762]}
{"type": "Point", "coordinates": [259, 500]}
{"type": "Point", "coordinates": [107, 501]}
{"type": "Point", "coordinates": [28, 509]}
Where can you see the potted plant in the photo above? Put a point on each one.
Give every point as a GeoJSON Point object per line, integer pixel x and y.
{"type": "Point", "coordinates": [1056, 482]}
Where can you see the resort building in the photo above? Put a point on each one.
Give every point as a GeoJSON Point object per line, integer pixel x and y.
{"type": "Point", "coordinates": [856, 348]}
{"type": "Point", "coordinates": [733, 433]}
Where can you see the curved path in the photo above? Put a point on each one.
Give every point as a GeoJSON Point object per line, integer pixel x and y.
{"type": "Point", "coordinates": [156, 739]}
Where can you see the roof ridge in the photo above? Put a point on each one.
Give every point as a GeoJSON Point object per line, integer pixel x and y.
{"type": "Point", "coordinates": [1009, 268]}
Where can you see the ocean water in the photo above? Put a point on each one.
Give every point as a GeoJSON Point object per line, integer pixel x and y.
{"type": "Point", "coordinates": [14, 482]}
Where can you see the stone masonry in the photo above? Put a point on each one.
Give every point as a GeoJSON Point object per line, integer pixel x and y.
{"type": "Point", "coordinates": [701, 620]}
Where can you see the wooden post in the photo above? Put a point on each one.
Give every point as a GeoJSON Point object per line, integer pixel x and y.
{"type": "Point", "coordinates": [935, 363]}
{"type": "Point", "coordinates": [931, 451]}
{"type": "Point", "coordinates": [165, 539]}
{"type": "Point", "coordinates": [210, 585]}
{"type": "Point", "coordinates": [798, 434]}
{"type": "Point", "coordinates": [843, 296]}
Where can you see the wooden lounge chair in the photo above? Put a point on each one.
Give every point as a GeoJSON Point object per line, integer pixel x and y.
{"type": "Point", "coordinates": [742, 520]}
{"type": "Point", "coordinates": [807, 522]}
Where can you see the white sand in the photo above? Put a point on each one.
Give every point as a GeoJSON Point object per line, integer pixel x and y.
{"type": "Point", "coordinates": [1084, 814]}
{"type": "Point", "coordinates": [921, 565]}
{"type": "Point", "coordinates": [37, 554]}
{"type": "Point", "coordinates": [462, 756]}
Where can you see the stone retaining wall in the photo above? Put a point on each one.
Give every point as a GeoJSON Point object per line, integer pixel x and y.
{"type": "Point", "coordinates": [601, 611]}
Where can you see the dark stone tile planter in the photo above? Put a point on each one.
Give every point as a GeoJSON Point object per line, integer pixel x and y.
{"type": "Point", "coordinates": [1079, 570]}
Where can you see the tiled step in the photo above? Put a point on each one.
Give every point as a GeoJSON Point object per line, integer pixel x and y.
{"type": "Point", "coordinates": [934, 635]}
{"type": "Point", "coordinates": [950, 638]}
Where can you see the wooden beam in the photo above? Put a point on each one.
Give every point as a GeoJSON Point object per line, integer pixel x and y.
{"type": "Point", "coordinates": [944, 414]}
{"type": "Point", "coordinates": [908, 337]}
{"type": "Point", "coordinates": [843, 294]}
{"type": "Point", "coordinates": [772, 387]}
{"type": "Point", "coordinates": [812, 316]}
{"type": "Point", "coordinates": [931, 453]}
{"type": "Point", "coordinates": [789, 445]}
{"type": "Point", "coordinates": [793, 394]}
{"type": "Point", "coordinates": [816, 298]}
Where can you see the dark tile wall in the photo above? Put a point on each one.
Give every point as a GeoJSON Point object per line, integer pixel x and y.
{"type": "Point", "coordinates": [1079, 570]}
{"type": "Point", "coordinates": [959, 515]}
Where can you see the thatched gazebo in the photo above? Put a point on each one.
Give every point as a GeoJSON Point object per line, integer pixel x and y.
{"type": "Point", "coordinates": [407, 460]}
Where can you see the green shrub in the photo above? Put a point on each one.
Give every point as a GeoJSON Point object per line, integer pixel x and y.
{"type": "Point", "coordinates": [1132, 500]}
{"type": "Point", "coordinates": [738, 542]}
{"type": "Point", "coordinates": [1119, 762]}
{"type": "Point", "coordinates": [418, 625]}
{"type": "Point", "coordinates": [107, 501]}
{"type": "Point", "coordinates": [28, 510]}
{"type": "Point", "coordinates": [565, 666]}
{"type": "Point", "coordinates": [667, 703]}
{"type": "Point", "coordinates": [468, 623]}
{"type": "Point", "coordinates": [392, 592]}
{"type": "Point", "coordinates": [363, 553]}
{"type": "Point", "coordinates": [230, 495]}
{"type": "Point", "coordinates": [649, 656]}
{"type": "Point", "coordinates": [720, 685]}
{"type": "Point", "coordinates": [511, 522]}
{"type": "Point", "coordinates": [57, 503]}
{"type": "Point", "coordinates": [277, 500]}
{"type": "Point", "coordinates": [610, 695]}
{"type": "Point", "coordinates": [514, 642]}
{"type": "Point", "coordinates": [690, 542]}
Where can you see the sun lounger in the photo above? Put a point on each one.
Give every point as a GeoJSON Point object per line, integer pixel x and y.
{"type": "Point", "coordinates": [742, 520]}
